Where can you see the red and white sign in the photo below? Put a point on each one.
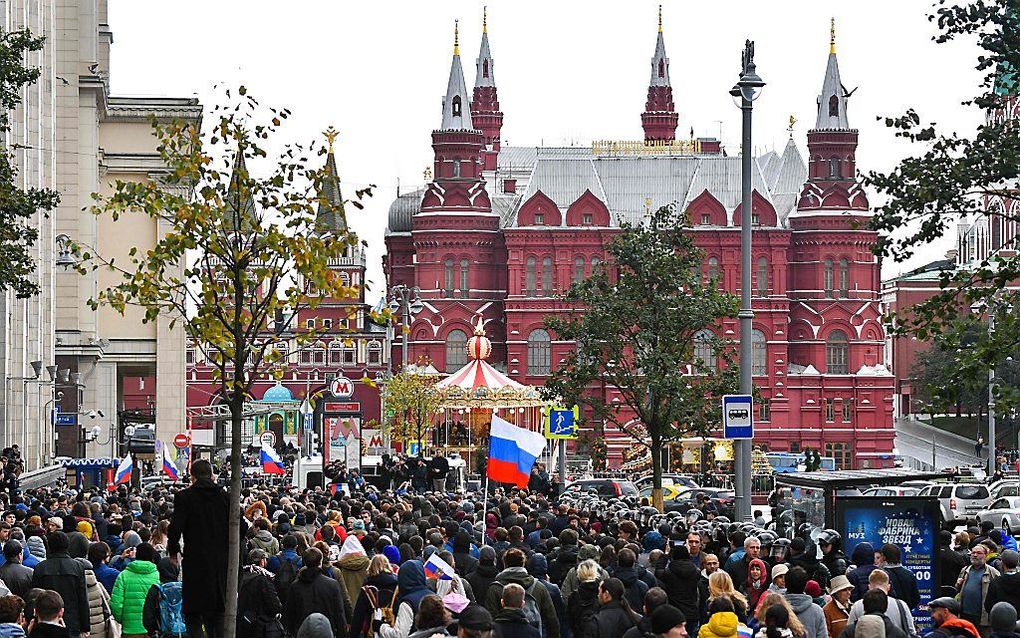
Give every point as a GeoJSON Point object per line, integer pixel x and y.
{"type": "Point", "coordinates": [341, 388]}
{"type": "Point", "coordinates": [268, 439]}
{"type": "Point", "coordinates": [345, 406]}
{"type": "Point", "coordinates": [182, 441]}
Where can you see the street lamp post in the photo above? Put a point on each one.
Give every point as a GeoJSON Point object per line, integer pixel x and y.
{"type": "Point", "coordinates": [745, 92]}
{"type": "Point", "coordinates": [991, 396]}
{"type": "Point", "coordinates": [407, 301]}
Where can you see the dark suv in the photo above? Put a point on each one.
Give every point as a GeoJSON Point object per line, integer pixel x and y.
{"type": "Point", "coordinates": [604, 487]}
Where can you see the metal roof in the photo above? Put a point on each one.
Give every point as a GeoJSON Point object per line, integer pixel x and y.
{"type": "Point", "coordinates": [855, 478]}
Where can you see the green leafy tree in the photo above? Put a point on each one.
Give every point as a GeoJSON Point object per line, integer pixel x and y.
{"type": "Point", "coordinates": [635, 323]}
{"type": "Point", "coordinates": [240, 256]}
{"type": "Point", "coordinates": [954, 177]}
{"type": "Point", "coordinates": [413, 401]}
{"type": "Point", "coordinates": [939, 384]}
{"type": "Point", "coordinates": [18, 206]}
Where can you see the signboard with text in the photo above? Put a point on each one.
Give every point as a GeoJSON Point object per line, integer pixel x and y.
{"type": "Point", "coordinates": [909, 522]}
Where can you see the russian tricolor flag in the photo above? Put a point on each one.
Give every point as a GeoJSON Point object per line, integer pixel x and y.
{"type": "Point", "coordinates": [124, 471]}
{"type": "Point", "coordinates": [512, 452]}
{"type": "Point", "coordinates": [169, 467]}
{"type": "Point", "coordinates": [436, 567]}
{"type": "Point", "coordinates": [271, 462]}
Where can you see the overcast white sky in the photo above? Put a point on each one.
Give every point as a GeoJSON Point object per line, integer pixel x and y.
{"type": "Point", "coordinates": [568, 71]}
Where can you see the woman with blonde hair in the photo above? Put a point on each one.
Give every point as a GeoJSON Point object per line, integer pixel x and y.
{"type": "Point", "coordinates": [720, 585]}
{"type": "Point", "coordinates": [775, 598]}
{"type": "Point", "coordinates": [377, 593]}
{"type": "Point", "coordinates": [584, 602]}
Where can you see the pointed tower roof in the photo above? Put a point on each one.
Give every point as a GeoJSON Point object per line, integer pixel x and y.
{"type": "Point", "coordinates": [660, 63]}
{"type": "Point", "coordinates": [456, 104]}
{"type": "Point", "coordinates": [832, 101]}
{"type": "Point", "coordinates": [239, 197]}
{"type": "Point", "coordinates": [331, 217]}
{"type": "Point", "coordinates": [484, 73]}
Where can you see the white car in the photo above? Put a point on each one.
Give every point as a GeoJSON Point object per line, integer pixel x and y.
{"type": "Point", "coordinates": [1004, 512]}
{"type": "Point", "coordinates": [1004, 488]}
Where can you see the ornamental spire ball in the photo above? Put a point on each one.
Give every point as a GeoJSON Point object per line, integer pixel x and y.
{"type": "Point", "coordinates": [478, 346]}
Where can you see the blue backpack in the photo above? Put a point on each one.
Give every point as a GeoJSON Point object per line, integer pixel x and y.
{"type": "Point", "coordinates": [171, 618]}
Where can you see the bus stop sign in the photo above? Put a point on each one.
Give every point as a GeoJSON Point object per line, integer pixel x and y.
{"type": "Point", "coordinates": [738, 412]}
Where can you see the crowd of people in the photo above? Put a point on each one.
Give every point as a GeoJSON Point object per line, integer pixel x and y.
{"type": "Point", "coordinates": [437, 561]}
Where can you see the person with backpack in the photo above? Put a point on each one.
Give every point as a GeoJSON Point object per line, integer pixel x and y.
{"type": "Point", "coordinates": [163, 614]}
{"type": "Point", "coordinates": [374, 604]}
{"type": "Point", "coordinates": [510, 621]}
{"type": "Point", "coordinates": [538, 605]}
{"type": "Point", "coordinates": [412, 588]}
{"type": "Point", "coordinates": [130, 589]}
{"type": "Point", "coordinates": [285, 566]}
{"type": "Point", "coordinates": [315, 591]}
{"type": "Point", "coordinates": [258, 606]}
{"type": "Point", "coordinates": [584, 603]}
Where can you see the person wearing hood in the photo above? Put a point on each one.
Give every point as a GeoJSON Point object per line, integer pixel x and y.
{"type": "Point", "coordinates": [1004, 588]}
{"type": "Point", "coordinates": [315, 626]}
{"type": "Point", "coordinates": [807, 611]}
{"type": "Point", "coordinates": [514, 572]}
{"type": "Point", "coordinates": [874, 623]}
{"type": "Point", "coordinates": [484, 573]}
{"type": "Point", "coordinates": [538, 567]}
{"type": "Point", "coordinates": [1003, 539]}
{"type": "Point", "coordinates": [413, 588]}
{"type": "Point", "coordinates": [462, 553]}
{"type": "Point", "coordinates": [313, 591]}
{"type": "Point", "coordinates": [565, 558]}
{"type": "Point", "coordinates": [626, 572]}
{"type": "Point", "coordinates": [127, 550]}
{"type": "Point", "coordinates": [257, 603]}
{"type": "Point", "coordinates": [737, 569]}
{"type": "Point", "coordinates": [380, 583]}
{"type": "Point", "coordinates": [680, 579]}
{"type": "Point", "coordinates": [1003, 619]}
{"type": "Point", "coordinates": [353, 565]}
{"type": "Point", "coordinates": [757, 582]}
{"type": "Point", "coordinates": [263, 538]}
{"type": "Point", "coordinates": [863, 559]}
{"type": "Point", "coordinates": [37, 550]}
{"type": "Point", "coordinates": [127, 601]}
{"type": "Point", "coordinates": [722, 620]}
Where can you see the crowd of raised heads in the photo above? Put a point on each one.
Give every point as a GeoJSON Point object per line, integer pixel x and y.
{"type": "Point", "coordinates": [379, 563]}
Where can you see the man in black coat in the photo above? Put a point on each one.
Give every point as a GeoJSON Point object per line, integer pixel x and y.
{"type": "Point", "coordinates": [439, 467]}
{"type": "Point", "coordinates": [679, 577]}
{"type": "Point", "coordinates": [1006, 586]}
{"type": "Point", "coordinates": [66, 576]}
{"type": "Point", "coordinates": [510, 621]}
{"type": "Point", "coordinates": [314, 592]}
{"type": "Point", "coordinates": [257, 602]}
{"type": "Point", "coordinates": [902, 580]}
{"type": "Point", "coordinates": [200, 516]}
{"type": "Point", "coordinates": [951, 562]}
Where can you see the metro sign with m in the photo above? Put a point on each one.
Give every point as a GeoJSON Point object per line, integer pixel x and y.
{"type": "Point", "coordinates": [341, 387]}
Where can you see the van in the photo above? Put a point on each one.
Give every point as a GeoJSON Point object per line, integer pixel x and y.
{"type": "Point", "coordinates": [958, 502]}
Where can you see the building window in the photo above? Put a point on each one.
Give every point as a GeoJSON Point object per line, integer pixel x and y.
{"type": "Point", "coordinates": [578, 269]}
{"type": "Point", "coordinates": [374, 353]}
{"type": "Point", "coordinates": [310, 324]}
{"type": "Point", "coordinates": [763, 276]}
{"type": "Point", "coordinates": [456, 350]}
{"type": "Point", "coordinates": [836, 353]}
{"type": "Point", "coordinates": [456, 106]}
{"type": "Point", "coordinates": [833, 106]}
{"type": "Point", "coordinates": [713, 268]}
{"type": "Point", "coordinates": [336, 356]}
{"type": "Point", "coordinates": [844, 277]}
{"type": "Point", "coordinates": [485, 68]}
{"type": "Point", "coordinates": [759, 349]}
{"type": "Point", "coordinates": [830, 411]}
{"type": "Point", "coordinates": [539, 219]}
{"type": "Point", "coordinates": [755, 219]}
{"type": "Point", "coordinates": [190, 356]}
{"type": "Point", "coordinates": [706, 219]}
{"type": "Point", "coordinates": [345, 323]}
{"type": "Point", "coordinates": [314, 355]}
{"type": "Point", "coordinates": [662, 68]}
{"type": "Point", "coordinates": [539, 352]}
{"type": "Point", "coordinates": [345, 279]}
{"type": "Point", "coordinates": [530, 277]}
{"type": "Point", "coordinates": [827, 282]}
{"type": "Point", "coordinates": [587, 219]}
{"type": "Point", "coordinates": [595, 262]}
{"type": "Point", "coordinates": [765, 410]}
{"type": "Point", "coordinates": [327, 324]}
{"type": "Point", "coordinates": [834, 167]}
{"type": "Point", "coordinates": [448, 284]}
{"type": "Point", "coordinates": [795, 447]}
{"type": "Point", "coordinates": [547, 276]}
{"type": "Point", "coordinates": [350, 355]}
{"type": "Point", "coordinates": [465, 284]}
{"type": "Point", "coordinates": [704, 350]}
{"type": "Point", "coordinates": [841, 453]}
{"type": "Point", "coordinates": [848, 409]}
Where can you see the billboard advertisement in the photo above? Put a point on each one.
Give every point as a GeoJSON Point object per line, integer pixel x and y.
{"type": "Point", "coordinates": [911, 523]}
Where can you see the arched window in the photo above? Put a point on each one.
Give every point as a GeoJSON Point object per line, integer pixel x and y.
{"type": "Point", "coordinates": [374, 353]}
{"type": "Point", "coordinates": [456, 106]}
{"type": "Point", "coordinates": [759, 349]}
{"type": "Point", "coordinates": [314, 355]}
{"type": "Point", "coordinates": [595, 263]}
{"type": "Point", "coordinates": [345, 278]}
{"type": "Point", "coordinates": [448, 284]}
{"type": "Point", "coordinates": [578, 269]}
{"type": "Point", "coordinates": [456, 350]}
{"type": "Point", "coordinates": [827, 282]}
{"type": "Point", "coordinates": [713, 268]}
{"type": "Point", "coordinates": [837, 360]}
{"type": "Point", "coordinates": [834, 167]}
{"type": "Point", "coordinates": [530, 276]}
{"type": "Point", "coordinates": [833, 106]}
{"type": "Point", "coordinates": [485, 68]}
{"type": "Point", "coordinates": [763, 276]}
{"type": "Point", "coordinates": [844, 277]}
{"type": "Point", "coordinates": [662, 69]}
{"type": "Point", "coordinates": [547, 276]}
{"type": "Point", "coordinates": [539, 352]}
{"type": "Point", "coordinates": [465, 285]}
{"type": "Point", "coordinates": [704, 350]}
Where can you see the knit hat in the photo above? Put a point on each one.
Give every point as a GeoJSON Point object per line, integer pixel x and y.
{"type": "Point", "coordinates": [589, 552]}
{"type": "Point", "coordinates": [1002, 617]}
{"type": "Point", "coordinates": [36, 547]}
{"type": "Point", "coordinates": [132, 539]}
{"type": "Point", "coordinates": [475, 617]}
{"type": "Point", "coordinates": [665, 617]}
{"type": "Point", "coordinates": [813, 589]}
{"type": "Point", "coordinates": [392, 554]}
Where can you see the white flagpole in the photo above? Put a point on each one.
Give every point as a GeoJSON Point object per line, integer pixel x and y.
{"type": "Point", "coordinates": [485, 503]}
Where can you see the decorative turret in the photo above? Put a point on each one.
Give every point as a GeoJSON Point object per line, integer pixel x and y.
{"type": "Point", "coordinates": [240, 201]}
{"type": "Point", "coordinates": [832, 183]}
{"type": "Point", "coordinates": [485, 113]}
{"type": "Point", "coordinates": [330, 217]}
{"type": "Point", "coordinates": [660, 118]}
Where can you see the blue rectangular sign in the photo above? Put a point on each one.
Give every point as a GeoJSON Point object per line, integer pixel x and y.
{"type": "Point", "coordinates": [67, 419]}
{"type": "Point", "coordinates": [738, 416]}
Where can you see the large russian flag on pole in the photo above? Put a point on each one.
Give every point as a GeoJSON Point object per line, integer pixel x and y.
{"type": "Point", "coordinates": [169, 467]}
{"type": "Point", "coordinates": [271, 462]}
{"type": "Point", "coordinates": [124, 471]}
{"type": "Point", "coordinates": [512, 452]}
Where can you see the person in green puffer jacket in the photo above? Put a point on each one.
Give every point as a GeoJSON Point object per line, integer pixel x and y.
{"type": "Point", "coordinates": [130, 589]}
{"type": "Point", "coordinates": [353, 565]}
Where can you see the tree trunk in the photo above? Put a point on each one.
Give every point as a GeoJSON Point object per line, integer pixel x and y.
{"type": "Point", "coordinates": [233, 522]}
{"type": "Point", "coordinates": [656, 448]}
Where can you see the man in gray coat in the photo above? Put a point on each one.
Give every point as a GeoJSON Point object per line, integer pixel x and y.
{"type": "Point", "coordinates": [16, 576]}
